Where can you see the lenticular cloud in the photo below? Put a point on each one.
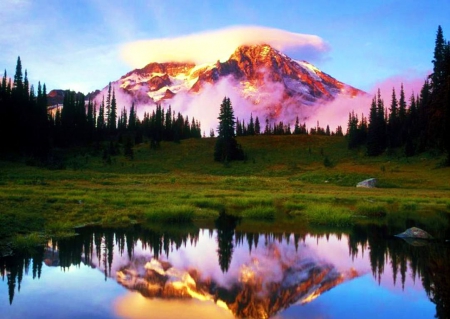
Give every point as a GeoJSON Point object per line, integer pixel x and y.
{"type": "Point", "coordinates": [216, 45]}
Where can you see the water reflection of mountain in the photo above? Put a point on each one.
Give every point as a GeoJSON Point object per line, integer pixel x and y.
{"type": "Point", "coordinates": [248, 295]}
{"type": "Point", "coordinates": [95, 246]}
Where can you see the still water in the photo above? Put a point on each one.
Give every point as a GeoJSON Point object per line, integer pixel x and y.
{"type": "Point", "coordinates": [226, 273]}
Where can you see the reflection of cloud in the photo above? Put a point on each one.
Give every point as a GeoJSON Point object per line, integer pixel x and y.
{"type": "Point", "coordinates": [134, 306]}
{"type": "Point", "coordinates": [216, 45]}
{"type": "Point", "coordinates": [273, 270]}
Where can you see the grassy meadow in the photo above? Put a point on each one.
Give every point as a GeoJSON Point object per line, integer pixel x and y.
{"type": "Point", "coordinates": [287, 182]}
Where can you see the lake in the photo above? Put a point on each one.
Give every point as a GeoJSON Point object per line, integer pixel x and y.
{"type": "Point", "coordinates": [223, 272]}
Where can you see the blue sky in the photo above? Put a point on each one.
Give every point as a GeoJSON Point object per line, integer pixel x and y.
{"type": "Point", "coordinates": [79, 44]}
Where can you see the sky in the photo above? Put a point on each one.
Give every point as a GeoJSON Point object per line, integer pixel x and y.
{"type": "Point", "coordinates": [84, 44]}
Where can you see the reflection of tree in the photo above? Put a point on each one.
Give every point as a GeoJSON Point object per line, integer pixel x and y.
{"type": "Point", "coordinates": [225, 225]}
{"type": "Point", "coordinates": [430, 263]}
{"type": "Point", "coordinates": [79, 249]}
{"type": "Point", "coordinates": [15, 266]}
{"type": "Point", "coordinates": [438, 275]}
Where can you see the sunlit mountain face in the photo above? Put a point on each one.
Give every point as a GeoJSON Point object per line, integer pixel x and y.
{"type": "Point", "coordinates": [258, 78]}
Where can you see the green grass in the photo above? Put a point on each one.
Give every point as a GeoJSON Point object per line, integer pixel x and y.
{"type": "Point", "coordinates": [27, 242]}
{"type": "Point", "coordinates": [368, 209]}
{"type": "Point", "coordinates": [328, 215]}
{"type": "Point", "coordinates": [259, 212]}
{"type": "Point", "coordinates": [284, 178]}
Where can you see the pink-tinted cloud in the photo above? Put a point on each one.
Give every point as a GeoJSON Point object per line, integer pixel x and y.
{"type": "Point", "coordinates": [219, 44]}
{"type": "Point", "coordinates": [412, 82]}
{"type": "Point", "coordinates": [336, 113]}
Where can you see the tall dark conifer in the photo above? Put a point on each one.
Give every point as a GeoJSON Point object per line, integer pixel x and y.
{"type": "Point", "coordinates": [18, 78]}
{"type": "Point", "coordinates": [257, 126]}
{"type": "Point", "coordinates": [101, 116]}
{"type": "Point", "coordinates": [393, 129]}
{"type": "Point", "coordinates": [112, 118]}
{"type": "Point", "coordinates": [226, 148]}
{"type": "Point", "coordinates": [376, 135]}
{"type": "Point", "coordinates": [438, 76]}
{"type": "Point", "coordinates": [251, 126]}
{"type": "Point", "coordinates": [108, 107]}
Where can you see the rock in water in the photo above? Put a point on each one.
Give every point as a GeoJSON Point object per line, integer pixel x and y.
{"type": "Point", "coordinates": [415, 232]}
{"type": "Point", "coordinates": [368, 183]}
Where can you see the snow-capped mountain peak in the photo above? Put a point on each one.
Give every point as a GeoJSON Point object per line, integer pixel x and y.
{"type": "Point", "coordinates": [261, 79]}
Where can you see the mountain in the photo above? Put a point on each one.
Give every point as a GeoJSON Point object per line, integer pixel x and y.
{"type": "Point", "coordinates": [56, 97]}
{"type": "Point", "coordinates": [259, 79]}
{"type": "Point", "coordinates": [252, 293]}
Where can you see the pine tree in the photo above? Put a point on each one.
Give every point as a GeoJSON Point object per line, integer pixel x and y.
{"type": "Point", "coordinates": [4, 86]}
{"type": "Point", "coordinates": [226, 120]}
{"type": "Point", "coordinates": [393, 125]}
{"type": "Point", "coordinates": [168, 125]}
{"type": "Point", "coordinates": [375, 128]}
{"type": "Point", "coordinates": [90, 120]}
{"type": "Point", "coordinates": [402, 116]}
{"type": "Point", "coordinates": [226, 148]}
{"type": "Point", "coordinates": [411, 127]}
{"type": "Point", "coordinates": [26, 87]}
{"type": "Point", "coordinates": [112, 119]}
{"type": "Point", "coordinates": [257, 126]}
{"type": "Point", "coordinates": [424, 115]}
{"type": "Point", "coordinates": [438, 77]}
{"type": "Point", "coordinates": [267, 129]}
{"type": "Point", "coordinates": [18, 78]}
{"type": "Point", "coordinates": [108, 107]}
{"type": "Point", "coordinates": [251, 126]}
{"type": "Point", "coordinates": [297, 126]}
{"type": "Point", "coordinates": [446, 101]}
{"type": "Point", "coordinates": [132, 119]}
{"type": "Point", "coordinates": [101, 117]}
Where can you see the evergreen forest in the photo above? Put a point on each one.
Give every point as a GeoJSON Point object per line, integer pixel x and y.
{"type": "Point", "coordinates": [32, 130]}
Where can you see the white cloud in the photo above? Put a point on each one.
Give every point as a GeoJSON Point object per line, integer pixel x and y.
{"type": "Point", "coordinates": [216, 45]}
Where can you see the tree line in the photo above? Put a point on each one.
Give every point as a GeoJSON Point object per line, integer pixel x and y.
{"type": "Point", "coordinates": [29, 129]}
{"type": "Point", "coordinates": [422, 123]}
{"type": "Point", "coordinates": [254, 127]}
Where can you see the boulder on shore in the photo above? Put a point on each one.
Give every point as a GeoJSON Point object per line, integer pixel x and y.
{"type": "Point", "coordinates": [368, 183]}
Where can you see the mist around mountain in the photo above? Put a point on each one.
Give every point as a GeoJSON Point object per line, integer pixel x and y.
{"type": "Point", "coordinates": [180, 100]}
{"type": "Point", "coordinates": [258, 79]}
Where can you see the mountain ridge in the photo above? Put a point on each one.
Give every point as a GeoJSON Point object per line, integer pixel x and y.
{"type": "Point", "coordinates": [260, 79]}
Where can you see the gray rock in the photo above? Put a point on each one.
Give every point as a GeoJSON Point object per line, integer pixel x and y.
{"type": "Point", "coordinates": [368, 183]}
{"type": "Point", "coordinates": [416, 233]}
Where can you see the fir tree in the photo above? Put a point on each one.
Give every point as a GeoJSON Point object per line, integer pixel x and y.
{"type": "Point", "coordinates": [101, 117]}
{"type": "Point", "coordinates": [18, 78]}
{"type": "Point", "coordinates": [438, 77]}
{"type": "Point", "coordinates": [132, 119]}
{"type": "Point", "coordinates": [108, 107]}
{"type": "Point", "coordinates": [112, 118]}
{"type": "Point", "coordinates": [374, 144]}
{"type": "Point", "coordinates": [393, 124]}
{"type": "Point", "coordinates": [257, 126]}
{"type": "Point", "coordinates": [251, 126]}
{"type": "Point", "coordinates": [226, 148]}
{"type": "Point", "coordinates": [90, 120]}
